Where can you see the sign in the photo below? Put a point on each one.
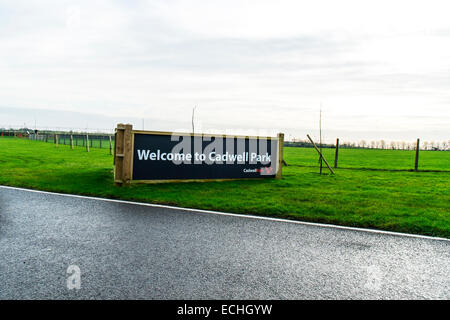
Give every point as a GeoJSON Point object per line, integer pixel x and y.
{"type": "Point", "coordinates": [149, 156]}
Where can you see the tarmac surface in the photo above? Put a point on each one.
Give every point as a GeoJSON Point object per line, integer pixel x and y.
{"type": "Point", "coordinates": [132, 251]}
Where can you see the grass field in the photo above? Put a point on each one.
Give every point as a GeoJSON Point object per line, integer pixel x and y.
{"type": "Point", "coordinates": [403, 201]}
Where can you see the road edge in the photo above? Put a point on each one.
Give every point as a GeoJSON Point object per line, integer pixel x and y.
{"type": "Point", "coordinates": [316, 224]}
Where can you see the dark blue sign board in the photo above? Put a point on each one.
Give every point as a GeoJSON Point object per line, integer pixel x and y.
{"type": "Point", "coordinates": [160, 156]}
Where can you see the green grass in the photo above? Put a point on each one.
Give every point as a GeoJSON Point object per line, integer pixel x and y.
{"type": "Point", "coordinates": [403, 201]}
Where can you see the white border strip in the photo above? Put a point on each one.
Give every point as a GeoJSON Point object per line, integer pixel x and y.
{"type": "Point", "coordinates": [323, 225]}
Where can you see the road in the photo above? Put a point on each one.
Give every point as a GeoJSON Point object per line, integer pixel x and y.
{"type": "Point", "coordinates": [132, 251]}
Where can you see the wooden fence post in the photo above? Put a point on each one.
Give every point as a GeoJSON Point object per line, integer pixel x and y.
{"type": "Point", "coordinates": [336, 154]}
{"type": "Point", "coordinates": [87, 142]}
{"type": "Point", "coordinates": [416, 162]}
{"type": "Point", "coordinates": [280, 155]}
{"type": "Point", "coordinates": [123, 154]}
{"type": "Point", "coordinates": [71, 142]}
{"type": "Point", "coordinates": [320, 153]}
{"type": "Point", "coordinates": [56, 140]}
{"type": "Point", "coordinates": [110, 145]}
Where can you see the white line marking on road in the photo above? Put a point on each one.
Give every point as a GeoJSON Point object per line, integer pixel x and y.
{"type": "Point", "coordinates": [315, 224]}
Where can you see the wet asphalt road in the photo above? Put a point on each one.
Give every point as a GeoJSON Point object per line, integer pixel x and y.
{"type": "Point", "coordinates": [127, 251]}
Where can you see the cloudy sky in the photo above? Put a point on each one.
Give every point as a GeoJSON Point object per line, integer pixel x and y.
{"type": "Point", "coordinates": [379, 69]}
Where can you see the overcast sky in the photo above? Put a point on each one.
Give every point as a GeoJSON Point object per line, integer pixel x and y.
{"type": "Point", "coordinates": [380, 69]}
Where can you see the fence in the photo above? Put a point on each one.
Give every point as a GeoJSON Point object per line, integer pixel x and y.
{"type": "Point", "coordinates": [340, 155]}
{"type": "Point", "coordinates": [104, 141]}
{"type": "Point", "coordinates": [347, 157]}
{"type": "Point", "coordinates": [76, 140]}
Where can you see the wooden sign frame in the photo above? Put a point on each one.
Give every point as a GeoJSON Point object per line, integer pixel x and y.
{"type": "Point", "coordinates": [124, 154]}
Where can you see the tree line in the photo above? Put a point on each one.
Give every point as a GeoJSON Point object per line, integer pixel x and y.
{"type": "Point", "coordinates": [377, 144]}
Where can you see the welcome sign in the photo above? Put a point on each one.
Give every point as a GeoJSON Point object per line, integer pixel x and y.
{"type": "Point", "coordinates": [151, 156]}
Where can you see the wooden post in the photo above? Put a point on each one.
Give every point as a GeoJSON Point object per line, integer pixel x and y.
{"type": "Point", "coordinates": [416, 163]}
{"type": "Point", "coordinates": [101, 138]}
{"type": "Point", "coordinates": [114, 157]}
{"type": "Point", "coordinates": [123, 154]}
{"type": "Point", "coordinates": [128, 151]}
{"type": "Point", "coordinates": [110, 145]}
{"type": "Point", "coordinates": [336, 154]}
{"type": "Point", "coordinates": [280, 155]}
{"type": "Point", "coordinates": [87, 142]}
{"type": "Point", "coordinates": [118, 154]}
{"type": "Point", "coordinates": [317, 149]}
{"type": "Point", "coordinates": [71, 142]}
{"type": "Point", "coordinates": [56, 140]}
